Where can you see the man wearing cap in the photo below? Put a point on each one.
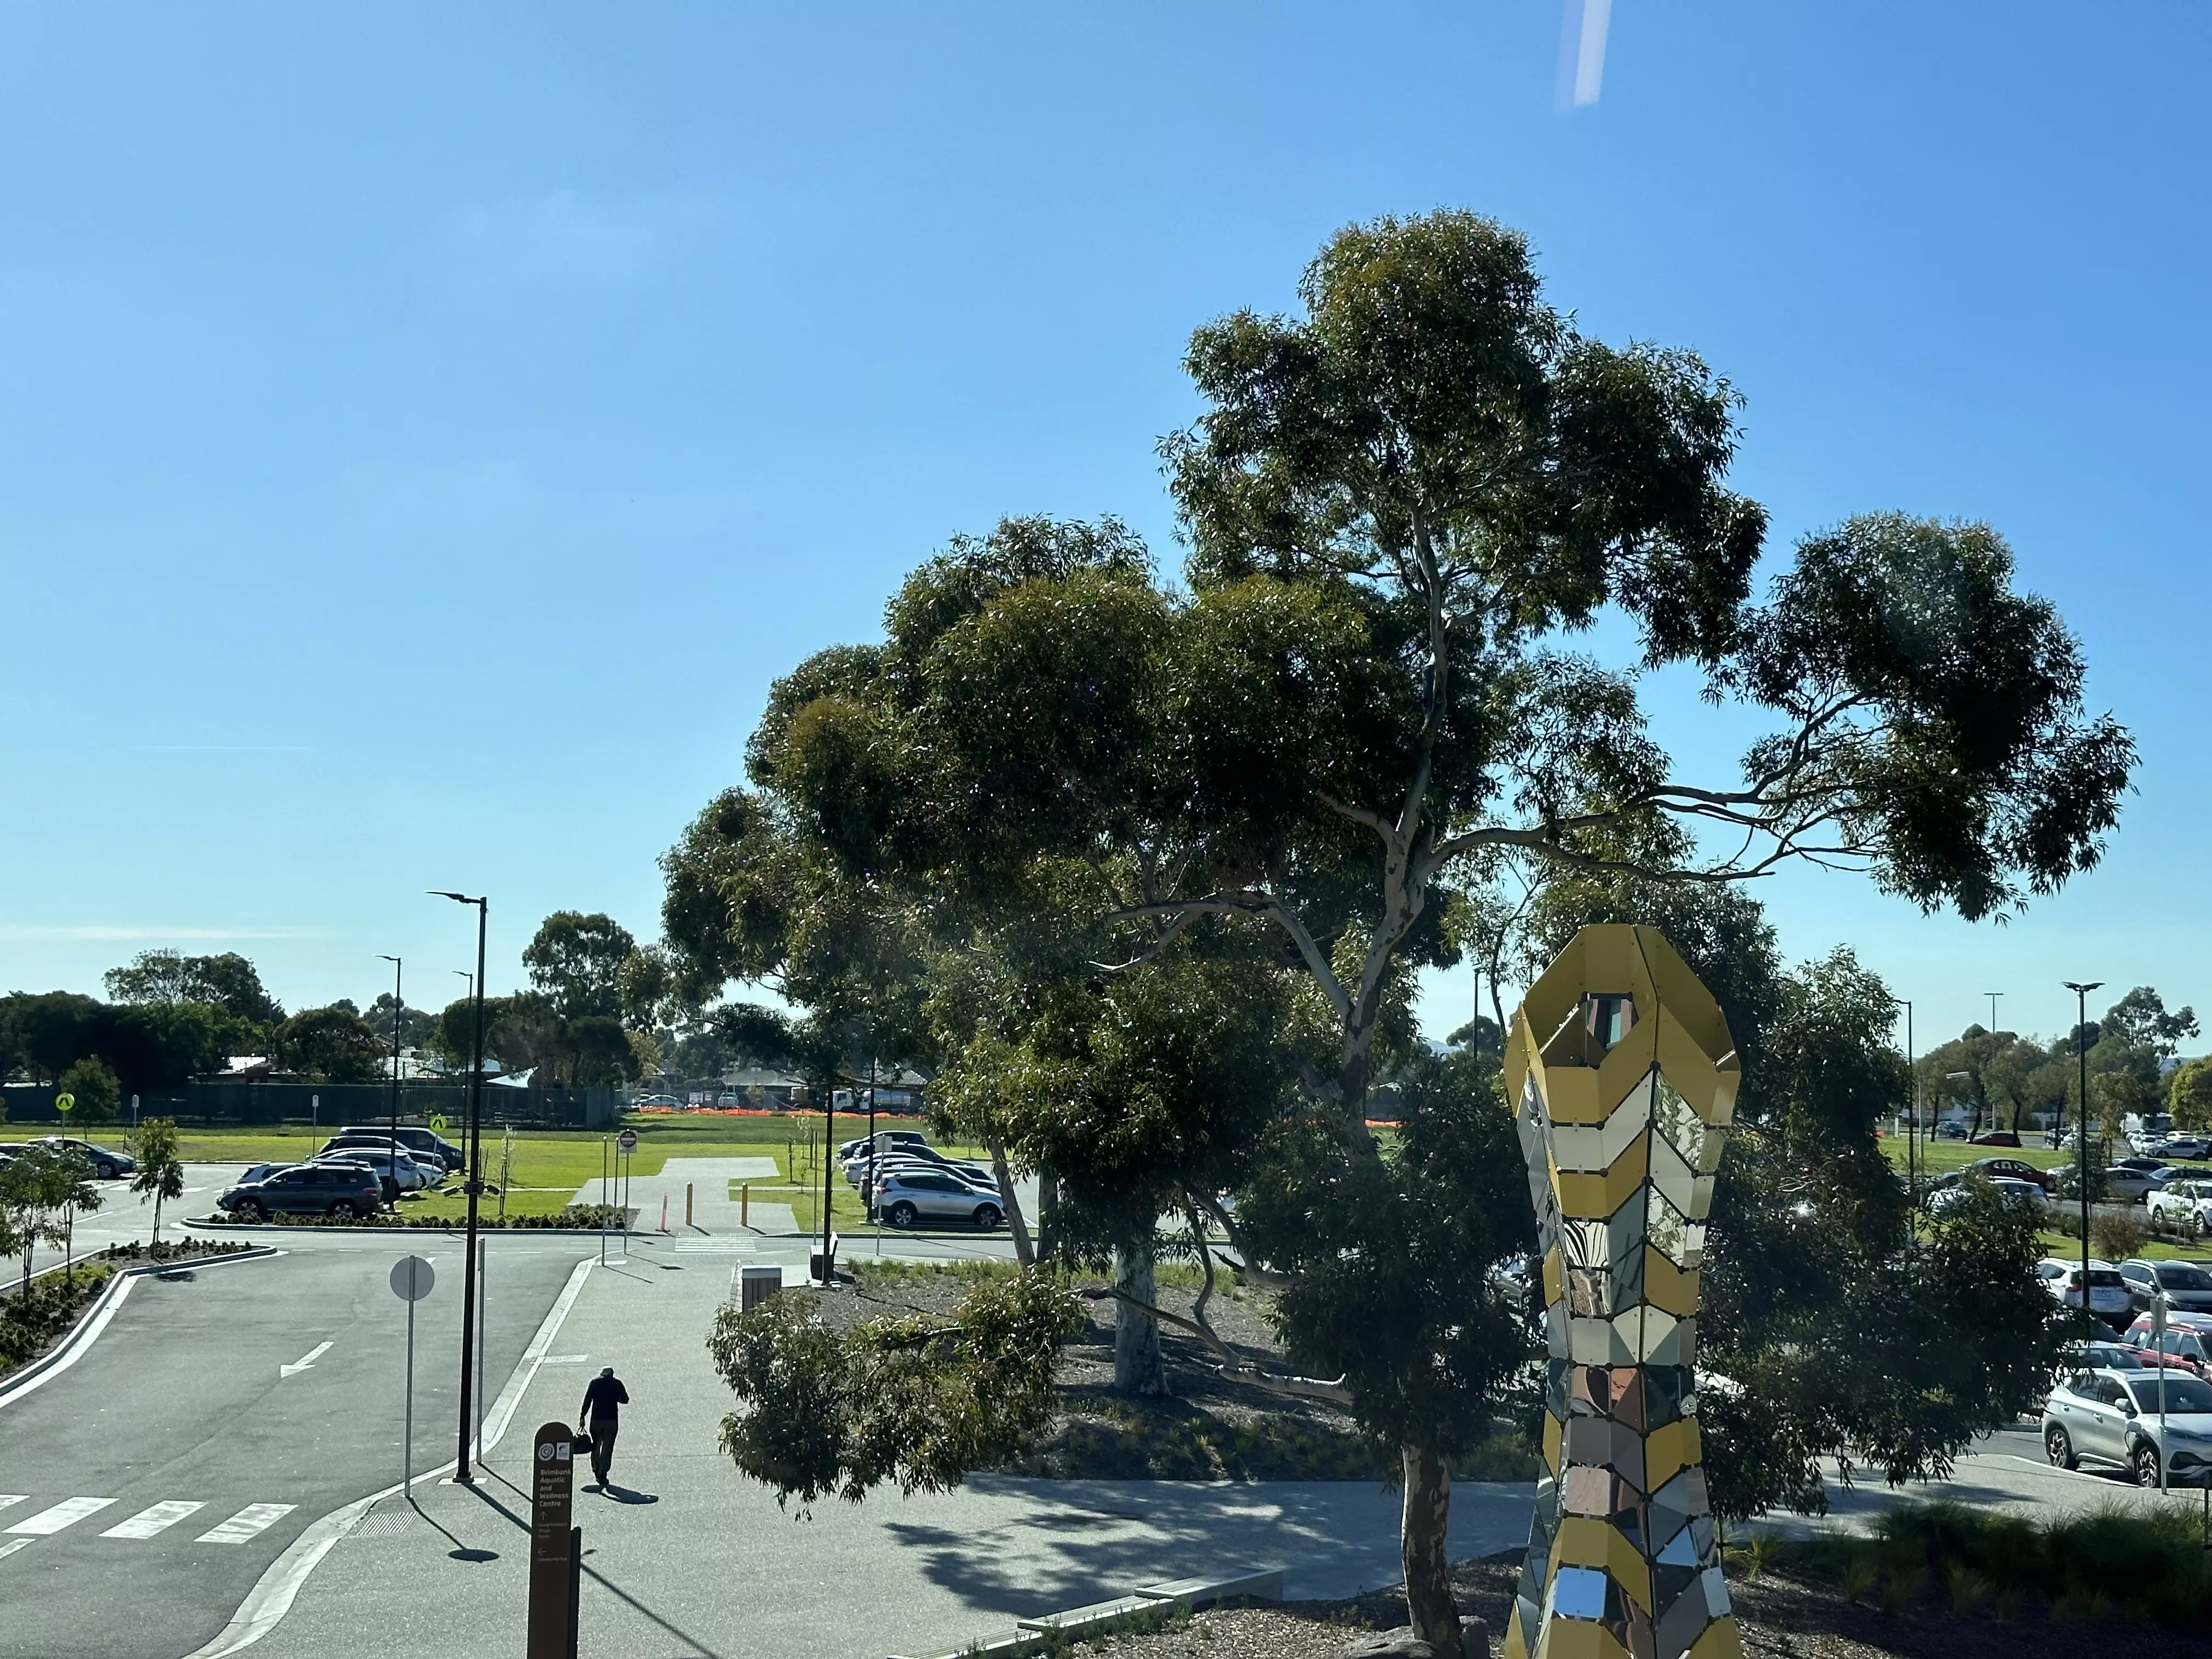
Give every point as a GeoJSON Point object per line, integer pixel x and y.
{"type": "Point", "coordinates": [603, 1397]}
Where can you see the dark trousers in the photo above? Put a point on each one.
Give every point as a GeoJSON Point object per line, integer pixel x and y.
{"type": "Point", "coordinates": [602, 1448]}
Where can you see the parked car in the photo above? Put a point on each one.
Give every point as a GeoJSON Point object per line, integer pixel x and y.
{"type": "Point", "coordinates": [853, 1149]}
{"type": "Point", "coordinates": [656, 1100]}
{"type": "Point", "coordinates": [2183, 1286]}
{"type": "Point", "coordinates": [2185, 1207]}
{"type": "Point", "coordinates": [108, 1161]}
{"type": "Point", "coordinates": [2008, 1169]}
{"type": "Point", "coordinates": [913, 1195]}
{"type": "Point", "coordinates": [857, 1168]}
{"type": "Point", "coordinates": [425, 1146]}
{"type": "Point", "coordinates": [397, 1173]}
{"type": "Point", "coordinates": [1995, 1137]}
{"type": "Point", "coordinates": [2169, 1173]}
{"type": "Point", "coordinates": [333, 1189]}
{"type": "Point", "coordinates": [2149, 1164]}
{"type": "Point", "coordinates": [2108, 1292]}
{"type": "Point", "coordinates": [2120, 1186]}
{"type": "Point", "coordinates": [2109, 1357]}
{"type": "Point", "coordinates": [2019, 1195]}
{"type": "Point", "coordinates": [2186, 1341]}
{"type": "Point", "coordinates": [2114, 1417]}
{"type": "Point", "coordinates": [2176, 1148]}
{"type": "Point", "coordinates": [1950, 1132]}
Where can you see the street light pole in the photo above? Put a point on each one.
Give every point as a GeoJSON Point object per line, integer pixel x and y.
{"type": "Point", "coordinates": [2082, 1162]}
{"type": "Point", "coordinates": [1912, 1186]}
{"type": "Point", "coordinates": [474, 1187]}
{"type": "Point", "coordinates": [394, 960]}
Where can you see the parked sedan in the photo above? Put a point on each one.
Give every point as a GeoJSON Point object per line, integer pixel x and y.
{"type": "Point", "coordinates": [108, 1161]}
{"type": "Point", "coordinates": [2134, 1420]}
{"type": "Point", "coordinates": [2183, 1286]}
{"type": "Point", "coordinates": [332, 1189]}
{"type": "Point", "coordinates": [2017, 1194]}
{"type": "Point", "coordinates": [1997, 1137]}
{"type": "Point", "coordinates": [2009, 1169]}
{"type": "Point", "coordinates": [853, 1149]}
{"type": "Point", "coordinates": [2175, 1148]}
{"type": "Point", "coordinates": [913, 1196]}
{"type": "Point", "coordinates": [2121, 1185]}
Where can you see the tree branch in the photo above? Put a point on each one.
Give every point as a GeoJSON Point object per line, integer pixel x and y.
{"type": "Point", "coordinates": [1233, 1363]}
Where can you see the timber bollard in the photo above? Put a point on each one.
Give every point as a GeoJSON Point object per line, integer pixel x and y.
{"type": "Point", "coordinates": [687, 1203]}
{"type": "Point", "coordinates": [744, 1207]}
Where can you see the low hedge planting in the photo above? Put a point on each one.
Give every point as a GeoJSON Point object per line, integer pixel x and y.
{"type": "Point", "coordinates": [2145, 1565]}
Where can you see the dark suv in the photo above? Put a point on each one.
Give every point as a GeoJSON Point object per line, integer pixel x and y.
{"type": "Point", "coordinates": [332, 1189]}
{"type": "Point", "coordinates": [423, 1145]}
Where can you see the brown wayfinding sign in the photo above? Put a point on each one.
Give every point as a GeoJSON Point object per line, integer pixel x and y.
{"type": "Point", "coordinates": [552, 1485]}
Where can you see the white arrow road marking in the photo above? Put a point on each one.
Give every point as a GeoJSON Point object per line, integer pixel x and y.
{"type": "Point", "coordinates": [66, 1513]}
{"type": "Point", "coordinates": [12, 1546]}
{"type": "Point", "coordinates": [297, 1365]}
{"type": "Point", "coordinates": [247, 1522]}
{"type": "Point", "coordinates": [148, 1522]}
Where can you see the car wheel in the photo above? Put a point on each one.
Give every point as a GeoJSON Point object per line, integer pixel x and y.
{"type": "Point", "coordinates": [900, 1215]}
{"type": "Point", "coordinates": [987, 1216]}
{"type": "Point", "coordinates": [104, 1171]}
{"type": "Point", "coordinates": [249, 1210]}
{"type": "Point", "coordinates": [2059, 1446]}
{"type": "Point", "coordinates": [2142, 1462]}
{"type": "Point", "coordinates": [341, 1211]}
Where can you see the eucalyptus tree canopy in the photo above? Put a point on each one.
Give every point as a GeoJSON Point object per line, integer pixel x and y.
{"type": "Point", "coordinates": [1363, 703]}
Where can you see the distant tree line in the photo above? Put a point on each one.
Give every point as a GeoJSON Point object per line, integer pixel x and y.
{"type": "Point", "coordinates": [2010, 1080]}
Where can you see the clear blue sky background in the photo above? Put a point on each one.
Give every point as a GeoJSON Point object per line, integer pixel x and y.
{"type": "Point", "coordinates": [424, 431]}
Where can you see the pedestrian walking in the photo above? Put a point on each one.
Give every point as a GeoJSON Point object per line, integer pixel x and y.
{"type": "Point", "coordinates": [603, 1397]}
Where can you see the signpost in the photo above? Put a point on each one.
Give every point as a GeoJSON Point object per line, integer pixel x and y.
{"type": "Point", "coordinates": [555, 1546]}
{"type": "Point", "coordinates": [626, 1142]}
{"type": "Point", "coordinates": [411, 1279]}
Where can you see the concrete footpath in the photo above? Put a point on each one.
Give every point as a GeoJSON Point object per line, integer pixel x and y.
{"type": "Point", "coordinates": [685, 1557]}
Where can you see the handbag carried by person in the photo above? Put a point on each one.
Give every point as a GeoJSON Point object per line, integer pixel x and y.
{"type": "Point", "coordinates": [583, 1446]}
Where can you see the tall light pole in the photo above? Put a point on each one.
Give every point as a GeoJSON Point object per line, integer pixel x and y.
{"type": "Point", "coordinates": [1993, 996]}
{"type": "Point", "coordinates": [395, 1006]}
{"type": "Point", "coordinates": [1912, 1186]}
{"type": "Point", "coordinates": [474, 1186]}
{"type": "Point", "coordinates": [2082, 1162]}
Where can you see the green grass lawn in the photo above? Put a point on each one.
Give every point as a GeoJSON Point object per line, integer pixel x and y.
{"type": "Point", "coordinates": [1940, 1156]}
{"type": "Point", "coordinates": [545, 1167]}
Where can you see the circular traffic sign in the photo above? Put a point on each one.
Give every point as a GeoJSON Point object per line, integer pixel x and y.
{"type": "Point", "coordinates": [65, 1103]}
{"type": "Point", "coordinates": [438, 1124]}
{"type": "Point", "coordinates": [626, 1140]}
{"type": "Point", "coordinates": [411, 1279]}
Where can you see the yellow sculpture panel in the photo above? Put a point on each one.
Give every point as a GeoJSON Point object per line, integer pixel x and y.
{"type": "Point", "coordinates": [1625, 1076]}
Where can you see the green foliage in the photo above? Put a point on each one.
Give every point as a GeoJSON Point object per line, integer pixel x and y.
{"type": "Point", "coordinates": [331, 1045]}
{"type": "Point", "coordinates": [576, 960]}
{"type": "Point", "coordinates": [907, 1401]}
{"type": "Point", "coordinates": [97, 1093]}
{"type": "Point", "coordinates": [160, 1173]}
{"type": "Point", "coordinates": [228, 982]}
{"type": "Point", "coordinates": [40, 1189]}
{"type": "Point", "coordinates": [2189, 1095]}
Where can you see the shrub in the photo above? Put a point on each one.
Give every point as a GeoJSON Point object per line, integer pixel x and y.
{"type": "Point", "coordinates": [2115, 1235]}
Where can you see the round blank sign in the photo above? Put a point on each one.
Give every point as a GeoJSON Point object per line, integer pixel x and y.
{"type": "Point", "coordinates": [411, 1279]}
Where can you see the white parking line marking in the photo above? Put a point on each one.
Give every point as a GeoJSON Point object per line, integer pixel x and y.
{"type": "Point", "coordinates": [66, 1513]}
{"type": "Point", "coordinates": [12, 1546]}
{"type": "Point", "coordinates": [148, 1522]}
{"type": "Point", "coordinates": [298, 1365]}
{"type": "Point", "coordinates": [247, 1522]}
{"type": "Point", "coordinates": [8, 1498]}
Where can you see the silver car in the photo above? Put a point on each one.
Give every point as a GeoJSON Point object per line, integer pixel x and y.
{"type": "Point", "coordinates": [2114, 1417]}
{"type": "Point", "coordinates": [910, 1196]}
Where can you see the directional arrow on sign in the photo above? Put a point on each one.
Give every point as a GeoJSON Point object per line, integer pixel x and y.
{"type": "Point", "coordinates": [314, 1354]}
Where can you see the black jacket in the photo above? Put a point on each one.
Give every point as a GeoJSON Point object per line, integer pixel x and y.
{"type": "Point", "coordinates": [602, 1395]}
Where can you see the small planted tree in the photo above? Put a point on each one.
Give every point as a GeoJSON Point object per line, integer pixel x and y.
{"type": "Point", "coordinates": [98, 1094]}
{"type": "Point", "coordinates": [160, 1171]}
{"type": "Point", "coordinates": [42, 1189]}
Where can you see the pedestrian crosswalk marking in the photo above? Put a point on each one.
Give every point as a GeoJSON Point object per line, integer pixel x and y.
{"type": "Point", "coordinates": [247, 1522]}
{"type": "Point", "coordinates": [66, 1513]}
{"type": "Point", "coordinates": [8, 1498]}
{"type": "Point", "coordinates": [148, 1522]}
{"type": "Point", "coordinates": [12, 1546]}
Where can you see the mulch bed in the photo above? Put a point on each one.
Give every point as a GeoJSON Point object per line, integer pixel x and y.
{"type": "Point", "coordinates": [1781, 1618]}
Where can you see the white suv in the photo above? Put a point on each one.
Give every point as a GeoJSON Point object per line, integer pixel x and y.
{"type": "Point", "coordinates": [2184, 1206]}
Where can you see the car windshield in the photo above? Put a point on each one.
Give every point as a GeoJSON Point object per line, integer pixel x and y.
{"type": "Point", "coordinates": [2183, 1393]}
{"type": "Point", "coordinates": [2101, 1277]}
{"type": "Point", "coordinates": [2183, 1276]}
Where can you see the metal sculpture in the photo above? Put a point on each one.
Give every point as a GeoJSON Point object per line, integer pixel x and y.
{"type": "Point", "coordinates": [1625, 1078]}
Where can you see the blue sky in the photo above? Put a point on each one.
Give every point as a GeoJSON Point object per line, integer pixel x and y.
{"type": "Point", "coordinates": [424, 431]}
